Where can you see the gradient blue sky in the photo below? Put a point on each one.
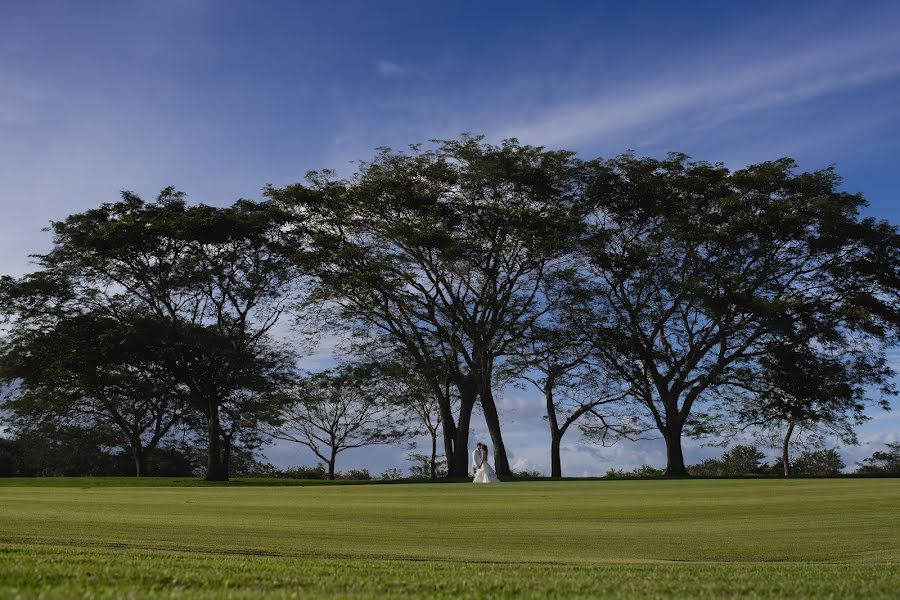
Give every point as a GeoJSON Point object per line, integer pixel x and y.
{"type": "Point", "coordinates": [219, 98]}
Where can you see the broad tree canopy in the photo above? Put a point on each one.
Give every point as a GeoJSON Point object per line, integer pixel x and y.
{"type": "Point", "coordinates": [701, 271]}
{"type": "Point", "coordinates": [444, 250]}
{"type": "Point", "coordinates": [215, 280]}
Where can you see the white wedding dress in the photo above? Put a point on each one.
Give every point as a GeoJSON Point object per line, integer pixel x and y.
{"type": "Point", "coordinates": [486, 473]}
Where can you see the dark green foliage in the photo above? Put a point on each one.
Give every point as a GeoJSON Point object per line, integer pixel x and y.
{"type": "Point", "coordinates": [710, 467]}
{"type": "Point", "coordinates": [354, 475]}
{"type": "Point", "coordinates": [175, 460]}
{"type": "Point", "coordinates": [52, 449]}
{"type": "Point", "coordinates": [192, 290]}
{"type": "Point", "coordinates": [703, 278]}
{"type": "Point", "coordinates": [743, 460]}
{"type": "Point", "coordinates": [305, 472]}
{"type": "Point", "coordinates": [97, 370]}
{"type": "Point", "coordinates": [739, 460]}
{"type": "Point", "coordinates": [816, 463]}
{"type": "Point", "coordinates": [688, 292]}
{"type": "Point", "coordinates": [642, 472]}
{"type": "Point", "coordinates": [392, 474]}
{"type": "Point", "coordinates": [10, 450]}
{"type": "Point", "coordinates": [442, 251]}
{"type": "Point", "coordinates": [820, 390]}
{"type": "Point", "coordinates": [55, 449]}
{"type": "Point", "coordinates": [885, 461]}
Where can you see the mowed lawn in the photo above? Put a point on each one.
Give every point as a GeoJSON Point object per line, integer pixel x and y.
{"type": "Point", "coordinates": [692, 538]}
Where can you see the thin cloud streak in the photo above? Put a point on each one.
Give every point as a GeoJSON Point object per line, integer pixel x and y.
{"type": "Point", "coordinates": [386, 68]}
{"type": "Point", "coordinates": [719, 95]}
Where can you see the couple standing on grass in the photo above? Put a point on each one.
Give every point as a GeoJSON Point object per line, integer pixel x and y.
{"type": "Point", "coordinates": [484, 473]}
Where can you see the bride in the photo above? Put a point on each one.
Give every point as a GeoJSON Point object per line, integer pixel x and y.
{"type": "Point", "coordinates": [484, 473]}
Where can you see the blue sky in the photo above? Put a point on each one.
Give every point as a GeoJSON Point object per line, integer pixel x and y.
{"type": "Point", "coordinates": [219, 98]}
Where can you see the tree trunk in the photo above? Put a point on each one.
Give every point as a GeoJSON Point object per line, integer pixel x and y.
{"type": "Point", "coordinates": [215, 469]}
{"type": "Point", "coordinates": [449, 434]}
{"type": "Point", "coordinates": [555, 433]}
{"type": "Point", "coordinates": [448, 424]}
{"type": "Point", "coordinates": [555, 460]}
{"type": "Point", "coordinates": [226, 454]}
{"type": "Point", "coordinates": [441, 392]}
{"type": "Point", "coordinates": [140, 461]}
{"type": "Point", "coordinates": [785, 458]}
{"type": "Point", "coordinates": [460, 449]}
{"type": "Point", "coordinates": [434, 454]}
{"type": "Point", "coordinates": [674, 455]}
{"type": "Point", "coordinates": [331, 466]}
{"type": "Point", "coordinates": [492, 420]}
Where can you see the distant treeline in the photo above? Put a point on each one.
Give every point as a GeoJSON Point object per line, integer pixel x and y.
{"type": "Point", "coordinates": [747, 460]}
{"type": "Point", "coordinates": [76, 454]}
{"type": "Point", "coordinates": [639, 297]}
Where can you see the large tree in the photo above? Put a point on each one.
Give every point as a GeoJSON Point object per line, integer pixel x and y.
{"type": "Point", "coordinates": [700, 271]}
{"type": "Point", "coordinates": [216, 280]}
{"type": "Point", "coordinates": [443, 251]}
{"type": "Point", "coordinates": [90, 367]}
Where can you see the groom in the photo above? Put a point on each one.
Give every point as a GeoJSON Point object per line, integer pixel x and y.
{"type": "Point", "coordinates": [478, 456]}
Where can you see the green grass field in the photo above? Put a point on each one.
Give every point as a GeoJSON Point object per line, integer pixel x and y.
{"type": "Point", "coordinates": [617, 539]}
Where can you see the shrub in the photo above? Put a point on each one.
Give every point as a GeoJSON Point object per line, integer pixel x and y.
{"type": "Point", "coordinates": [172, 460]}
{"type": "Point", "coordinates": [740, 460]}
{"type": "Point", "coordinates": [818, 463]}
{"type": "Point", "coordinates": [743, 460]}
{"type": "Point", "coordinates": [644, 471]}
{"type": "Point", "coordinates": [354, 475]}
{"type": "Point", "coordinates": [306, 472]}
{"type": "Point", "coordinates": [391, 474]}
{"type": "Point", "coordinates": [648, 471]}
{"type": "Point", "coordinates": [711, 467]}
{"type": "Point", "coordinates": [528, 474]}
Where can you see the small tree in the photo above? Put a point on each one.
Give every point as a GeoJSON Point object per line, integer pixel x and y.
{"type": "Point", "coordinates": [340, 409]}
{"type": "Point", "coordinates": [428, 412]}
{"type": "Point", "coordinates": [743, 460]}
{"type": "Point", "coordinates": [817, 390]}
{"type": "Point", "coordinates": [882, 462]}
{"type": "Point", "coordinates": [425, 466]}
{"type": "Point", "coordinates": [412, 394]}
{"type": "Point", "coordinates": [556, 360]}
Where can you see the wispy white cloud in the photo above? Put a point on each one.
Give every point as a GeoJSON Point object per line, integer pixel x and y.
{"type": "Point", "coordinates": [740, 99]}
{"type": "Point", "coordinates": [706, 95]}
{"type": "Point", "coordinates": [386, 68]}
